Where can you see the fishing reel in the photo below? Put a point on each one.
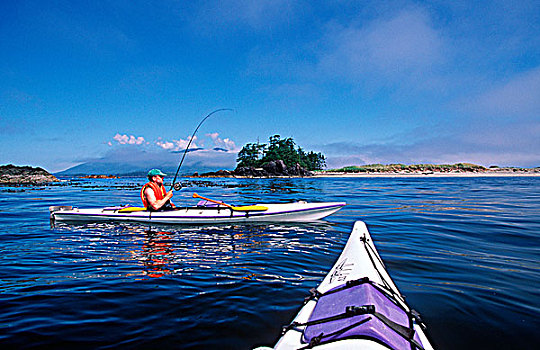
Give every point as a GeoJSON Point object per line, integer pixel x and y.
{"type": "Point", "coordinates": [177, 186]}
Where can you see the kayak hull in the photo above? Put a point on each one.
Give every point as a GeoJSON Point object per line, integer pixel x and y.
{"type": "Point", "coordinates": [280, 212]}
{"type": "Point", "coordinates": [354, 263]}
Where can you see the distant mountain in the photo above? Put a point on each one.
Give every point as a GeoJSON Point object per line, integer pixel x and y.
{"type": "Point", "coordinates": [133, 169]}
{"type": "Point", "coordinates": [124, 161]}
{"type": "Point", "coordinates": [97, 168]}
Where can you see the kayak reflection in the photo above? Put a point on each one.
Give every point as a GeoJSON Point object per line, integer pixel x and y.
{"type": "Point", "coordinates": [233, 252]}
{"type": "Point", "coordinates": [157, 253]}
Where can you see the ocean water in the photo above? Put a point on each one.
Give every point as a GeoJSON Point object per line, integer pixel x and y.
{"type": "Point", "coordinates": [464, 251]}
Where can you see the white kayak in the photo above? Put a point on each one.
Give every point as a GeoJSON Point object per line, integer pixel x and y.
{"type": "Point", "coordinates": [221, 214]}
{"type": "Point", "coordinates": [357, 305]}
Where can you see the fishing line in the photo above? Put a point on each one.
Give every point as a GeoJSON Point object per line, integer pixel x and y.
{"type": "Point", "coordinates": [189, 143]}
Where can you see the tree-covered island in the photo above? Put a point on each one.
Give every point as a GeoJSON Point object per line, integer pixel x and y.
{"type": "Point", "coordinates": [259, 154]}
{"type": "Point", "coordinates": [279, 157]}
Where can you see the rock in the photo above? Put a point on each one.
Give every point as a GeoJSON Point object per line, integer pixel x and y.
{"type": "Point", "coordinates": [223, 173]}
{"type": "Point", "coordinates": [219, 173]}
{"type": "Point", "coordinates": [299, 171]}
{"type": "Point", "coordinates": [100, 177]}
{"type": "Point", "coordinates": [275, 168]}
{"type": "Point", "coordinates": [271, 169]}
{"type": "Point", "coordinates": [250, 172]}
{"type": "Point", "coordinates": [15, 175]}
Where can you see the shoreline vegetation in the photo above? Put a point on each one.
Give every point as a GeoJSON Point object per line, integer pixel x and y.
{"type": "Point", "coordinates": [384, 170]}
{"type": "Point", "coordinates": [402, 170]}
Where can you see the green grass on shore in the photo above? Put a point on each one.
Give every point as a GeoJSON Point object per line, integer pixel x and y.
{"type": "Point", "coordinates": [412, 168]}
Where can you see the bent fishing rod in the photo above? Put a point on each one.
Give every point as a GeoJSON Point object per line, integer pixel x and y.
{"type": "Point", "coordinates": [189, 143]}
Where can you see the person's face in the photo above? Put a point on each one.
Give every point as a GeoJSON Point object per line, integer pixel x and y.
{"type": "Point", "coordinates": [158, 179]}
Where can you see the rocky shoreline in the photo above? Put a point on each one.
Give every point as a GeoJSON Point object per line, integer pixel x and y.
{"type": "Point", "coordinates": [270, 169]}
{"type": "Point", "coordinates": [24, 175]}
{"type": "Point", "coordinates": [99, 177]}
{"type": "Point", "coordinates": [278, 169]}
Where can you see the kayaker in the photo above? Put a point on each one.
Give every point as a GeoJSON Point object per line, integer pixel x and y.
{"type": "Point", "coordinates": [153, 194]}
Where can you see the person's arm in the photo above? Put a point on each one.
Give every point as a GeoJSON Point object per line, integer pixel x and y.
{"type": "Point", "coordinates": [153, 202]}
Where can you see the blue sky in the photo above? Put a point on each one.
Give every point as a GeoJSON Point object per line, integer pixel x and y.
{"type": "Point", "coordinates": [361, 81]}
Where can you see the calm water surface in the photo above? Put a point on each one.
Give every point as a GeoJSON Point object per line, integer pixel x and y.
{"type": "Point", "coordinates": [464, 251]}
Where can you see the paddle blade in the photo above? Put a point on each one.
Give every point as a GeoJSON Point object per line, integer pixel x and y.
{"type": "Point", "coordinates": [131, 209]}
{"type": "Point", "coordinates": [250, 208]}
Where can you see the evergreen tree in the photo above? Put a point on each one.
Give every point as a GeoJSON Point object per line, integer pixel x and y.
{"type": "Point", "coordinates": [316, 161]}
{"type": "Point", "coordinates": [250, 155]}
{"type": "Point", "coordinates": [255, 154]}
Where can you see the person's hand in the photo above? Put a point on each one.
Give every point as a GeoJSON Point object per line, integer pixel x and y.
{"type": "Point", "coordinates": [169, 195]}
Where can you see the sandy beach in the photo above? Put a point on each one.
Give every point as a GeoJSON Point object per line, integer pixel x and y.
{"type": "Point", "coordinates": [499, 173]}
{"type": "Point", "coordinates": [332, 174]}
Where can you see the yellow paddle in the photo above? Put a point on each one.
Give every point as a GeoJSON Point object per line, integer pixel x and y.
{"type": "Point", "coordinates": [242, 208]}
{"type": "Point", "coordinates": [131, 209]}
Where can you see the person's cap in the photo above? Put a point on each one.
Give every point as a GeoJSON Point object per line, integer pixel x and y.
{"type": "Point", "coordinates": [154, 172]}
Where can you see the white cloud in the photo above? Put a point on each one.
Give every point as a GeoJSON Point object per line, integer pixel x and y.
{"type": "Point", "coordinates": [229, 144]}
{"type": "Point", "coordinates": [213, 135]}
{"type": "Point", "coordinates": [128, 140]}
{"type": "Point", "coordinates": [479, 144]}
{"type": "Point", "coordinates": [165, 145]}
{"type": "Point", "coordinates": [518, 97]}
{"type": "Point", "coordinates": [219, 18]}
{"type": "Point", "coordinates": [390, 48]}
{"type": "Point", "coordinates": [177, 145]}
{"type": "Point", "coordinates": [225, 143]}
{"type": "Point", "coordinates": [407, 41]}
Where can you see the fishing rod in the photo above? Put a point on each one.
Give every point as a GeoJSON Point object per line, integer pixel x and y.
{"type": "Point", "coordinates": [189, 143]}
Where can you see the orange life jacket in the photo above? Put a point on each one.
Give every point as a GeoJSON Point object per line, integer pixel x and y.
{"type": "Point", "coordinates": [159, 192]}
